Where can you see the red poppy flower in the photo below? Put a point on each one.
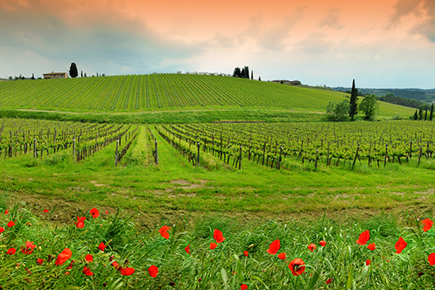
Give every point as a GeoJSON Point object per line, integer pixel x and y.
{"type": "Point", "coordinates": [89, 258]}
{"type": "Point", "coordinates": [217, 235]}
{"type": "Point", "coordinates": [11, 251]}
{"type": "Point", "coordinates": [431, 259]}
{"type": "Point", "coordinates": [29, 248]}
{"type": "Point", "coordinates": [363, 238]}
{"type": "Point", "coordinates": [274, 247]}
{"type": "Point", "coordinates": [282, 256]}
{"type": "Point", "coordinates": [6, 211]}
{"type": "Point", "coordinates": [63, 257]}
{"type": "Point", "coordinates": [128, 272]}
{"type": "Point", "coordinates": [11, 224]}
{"type": "Point", "coordinates": [40, 261]}
{"type": "Point", "coordinates": [87, 271]}
{"type": "Point", "coordinates": [297, 266]}
{"type": "Point", "coordinates": [213, 245]}
{"type": "Point", "coordinates": [164, 232]}
{"type": "Point", "coordinates": [328, 281]}
{"type": "Point", "coordinates": [70, 265]}
{"type": "Point", "coordinates": [322, 243]}
{"type": "Point", "coordinates": [243, 287]}
{"type": "Point", "coordinates": [400, 245]}
{"type": "Point", "coordinates": [107, 212]}
{"type": "Point", "coordinates": [80, 223]}
{"type": "Point", "coordinates": [94, 212]}
{"type": "Point", "coordinates": [427, 224]}
{"type": "Point", "coordinates": [45, 210]}
{"type": "Point", "coordinates": [153, 271]}
{"type": "Point", "coordinates": [368, 262]}
{"type": "Point", "coordinates": [115, 264]}
{"type": "Point", "coordinates": [246, 253]}
{"type": "Point", "coordinates": [2, 229]}
{"type": "Point", "coordinates": [101, 246]}
{"type": "Point", "coordinates": [372, 246]}
{"type": "Point", "coordinates": [187, 249]}
{"type": "Point", "coordinates": [311, 247]}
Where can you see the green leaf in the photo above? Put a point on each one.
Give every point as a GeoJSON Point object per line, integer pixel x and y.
{"type": "Point", "coordinates": [350, 278]}
{"type": "Point", "coordinates": [224, 277]}
{"type": "Point", "coordinates": [313, 280]}
{"type": "Point", "coordinates": [257, 278]}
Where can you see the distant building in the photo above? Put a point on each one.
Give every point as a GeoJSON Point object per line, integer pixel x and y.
{"type": "Point", "coordinates": [57, 75]}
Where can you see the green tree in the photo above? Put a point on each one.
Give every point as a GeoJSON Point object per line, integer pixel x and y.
{"type": "Point", "coordinates": [420, 114]}
{"type": "Point", "coordinates": [252, 74]}
{"type": "Point", "coordinates": [353, 105]}
{"type": "Point", "coordinates": [425, 115]}
{"type": "Point", "coordinates": [369, 105]}
{"type": "Point", "coordinates": [415, 115]}
{"type": "Point", "coordinates": [73, 71]}
{"type": "Point", "coordinates": [237, 73]}
{"type": "Point", "coordinates": [337, 111]}
{"type": "Point", "coordinates": [431, 113]}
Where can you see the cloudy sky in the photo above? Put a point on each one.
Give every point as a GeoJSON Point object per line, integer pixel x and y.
{"type": "Point", "coordinates": [388, 43]}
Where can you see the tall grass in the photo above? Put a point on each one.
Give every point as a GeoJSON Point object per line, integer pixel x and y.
{"type": "Point", "coordinates": [241, 258]}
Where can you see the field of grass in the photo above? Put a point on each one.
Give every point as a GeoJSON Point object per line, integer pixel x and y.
{"type": "Point", "coordinates": [252, 207]}
{"type": "Point", "coordinates": [175, 186]}
{"type": "Point", "coordinates": [171, 94]}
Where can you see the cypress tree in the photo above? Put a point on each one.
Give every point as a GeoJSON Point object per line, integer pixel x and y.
{"type": "Point", "coordinates": [252, 74]}
{"type": "Point", "coordinates": [431, 113]}
{"type": "Point", "coordinates": [425, 115]}
{"type": "Point", "coordinates": [246, 75]}
{"type": "Point", "coordinates": [353, 106]}
{"type": "Point", "coordinates": [415, 115]}
{"type": "Point", "coordinates": [73, 71]}
{"type": "Point", "coordinates": [237, 72]}
{"type": "Point", "coordinates": [420, 114]}
{"type": "Point", "coordinates": [259, 79]}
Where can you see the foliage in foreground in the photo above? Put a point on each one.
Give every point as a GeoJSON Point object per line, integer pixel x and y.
{"type": "Point", "coordinates": [106, 251]}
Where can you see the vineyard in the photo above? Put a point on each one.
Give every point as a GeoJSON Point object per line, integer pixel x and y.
{"type": "Point", "coordinates": [284, 145]}
{"type": "Point", "coordinates": [39, 138]}
{"type": "Point", "coordinates": [163, 92]}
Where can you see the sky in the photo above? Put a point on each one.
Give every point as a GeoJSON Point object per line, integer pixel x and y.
{"type": "Point", "coordinates": [380, 44]}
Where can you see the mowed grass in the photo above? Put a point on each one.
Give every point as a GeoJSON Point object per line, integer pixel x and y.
{"type": "Point", "coordinates": [208, 98]}
{"type": "Point", "coordinates": [175, 186]}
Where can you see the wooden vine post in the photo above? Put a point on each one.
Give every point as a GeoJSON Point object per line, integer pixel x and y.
{"type": "Point", "coordinates": [156, 158]}
{"type": "Point", "coordinates": [34, 147]}
{"type": "Point", "coordinates": [419, 156]}
{"type": "Point", "coordinates": [386, 155]}
{"type": "Point", "coordinates": [117, 148]}
{"type": "Point", "coordinates": [356, 155]}
{"type": "Point", "coordinates": [317, 154]}
{"type": "Point", "coordinates": [240, 158]}
{"type": "Point", "coordinates": [199, 149]}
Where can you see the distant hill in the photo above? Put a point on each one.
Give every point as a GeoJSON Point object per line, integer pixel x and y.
{"type": "Point", "coordinates": [169, 92]}
{"type": "Point", "coordinates": [427, 96]}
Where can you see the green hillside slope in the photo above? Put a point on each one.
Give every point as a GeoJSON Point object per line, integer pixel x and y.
{"type": "Point", "coordinates": [166, 92]}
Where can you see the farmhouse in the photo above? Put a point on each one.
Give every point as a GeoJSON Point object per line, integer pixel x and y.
{"type": "Point", "coordinates": [57, 75]}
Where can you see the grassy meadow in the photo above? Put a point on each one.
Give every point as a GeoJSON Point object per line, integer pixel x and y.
{"type": "Point", "coordinates": [158, 222]}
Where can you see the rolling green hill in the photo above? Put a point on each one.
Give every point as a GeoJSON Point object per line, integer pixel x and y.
{"type": "Point", "coordinates": [168, 93]}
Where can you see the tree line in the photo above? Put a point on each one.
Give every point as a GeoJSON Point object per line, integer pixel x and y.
{"type": "Point", "coordinates": [244, 73]}
{"type": "Point", "coordinates": [340, 111]}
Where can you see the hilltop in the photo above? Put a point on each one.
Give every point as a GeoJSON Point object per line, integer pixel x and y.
{"type": "Point", "coordinates": [234, 98]}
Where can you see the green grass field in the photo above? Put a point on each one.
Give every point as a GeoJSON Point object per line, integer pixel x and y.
{"type": "Point", "coordinates": [253, 207]}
